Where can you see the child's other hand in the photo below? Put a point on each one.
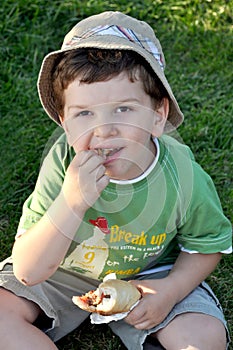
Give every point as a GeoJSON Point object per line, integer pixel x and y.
{"type": "Point", "coordinates": [157, 301]}
{"type": "Point", "coordinates": [84, 181]}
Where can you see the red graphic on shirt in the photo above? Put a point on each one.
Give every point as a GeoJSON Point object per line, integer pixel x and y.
{"type": "Point", "coordinates": [102, 223]}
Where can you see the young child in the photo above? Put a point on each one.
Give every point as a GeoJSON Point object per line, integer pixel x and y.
{"type": "Point", "coordinates": [115, 194]}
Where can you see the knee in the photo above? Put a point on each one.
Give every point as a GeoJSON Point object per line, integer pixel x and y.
{"type": "Point", "coordinates": [13, 307]}
{"type": "Point", "coordinates": [193, 332]}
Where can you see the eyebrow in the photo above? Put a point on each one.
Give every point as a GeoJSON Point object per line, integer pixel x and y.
{"type": "Point", "coordinates": [127, 100]}
{"type": "Point", "coordinates": [78, 107]}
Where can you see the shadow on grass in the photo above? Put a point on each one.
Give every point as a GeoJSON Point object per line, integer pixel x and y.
{"type": "Point", "coordinates": [91, 337]}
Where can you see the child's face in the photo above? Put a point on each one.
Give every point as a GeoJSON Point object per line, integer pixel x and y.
{"type": "Point", "coordinates": [116, 119]}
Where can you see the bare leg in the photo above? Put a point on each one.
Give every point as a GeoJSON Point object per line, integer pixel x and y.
{"type": "Point", "coordinates": [193, 331]}
{"type": "Point", "coordinates": [16, 329]}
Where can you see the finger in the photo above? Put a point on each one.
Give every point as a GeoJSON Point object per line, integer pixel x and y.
{"type": "Point", "coordinates": [91, 160]}
{"type": "Point", "coordinates": [145, 321]}
{"type": "Point", "coordinates": [100, 172]}
{"type": "Point", "coordinates": [95, 167]}
{"type": "Point", "coordinates": [136, 321]}
{"type": "Point", "coordinates": [102, 183]}
{"type": "Point", "coordinates": [145, 325]}
{"type": "Point", "coordinates": [82, 157]}
{"type": "Point", "coordinates": [136, 315]}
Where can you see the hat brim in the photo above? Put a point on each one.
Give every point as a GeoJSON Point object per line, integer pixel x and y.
{"type": "Point", "coordinates": [175, 116]}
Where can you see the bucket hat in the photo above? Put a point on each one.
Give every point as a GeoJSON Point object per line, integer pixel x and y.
{"type": "Point", "coordinates": [110, 30]}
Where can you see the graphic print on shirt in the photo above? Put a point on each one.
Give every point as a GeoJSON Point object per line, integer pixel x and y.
{"type": "Point", "coordinates": [114, 250]}
{"type": "Point", "coordinates": [90, 256]}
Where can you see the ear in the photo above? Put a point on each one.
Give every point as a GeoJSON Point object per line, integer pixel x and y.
{"type": "Point", "coordinates": [161, 114]}
{"type": "Point", "coordinates": [61, 118]}
{"type": "Point", "coordinates": [66, 129]}
{"type": "Point", "coordinates": [63, 124]}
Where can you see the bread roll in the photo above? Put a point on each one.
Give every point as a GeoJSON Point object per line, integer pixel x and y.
{"type": "Point", "coordinates": [111, 297]}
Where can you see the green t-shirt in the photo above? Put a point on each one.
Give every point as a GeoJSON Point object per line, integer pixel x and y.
{"type": "Point", "coordinates": [136, 225]}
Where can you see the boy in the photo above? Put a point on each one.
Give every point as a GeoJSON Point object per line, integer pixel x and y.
{"type": "Point", "coordinates": [115, 194]}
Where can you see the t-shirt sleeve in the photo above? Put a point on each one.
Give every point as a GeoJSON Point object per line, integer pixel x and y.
{"type": "Point", "coordinates": [205, 228]}
{"type": "Point", "coordinates": [48, 186]}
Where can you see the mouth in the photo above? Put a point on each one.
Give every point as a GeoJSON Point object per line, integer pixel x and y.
{"type": "Point", "coordinates": [107, 152]}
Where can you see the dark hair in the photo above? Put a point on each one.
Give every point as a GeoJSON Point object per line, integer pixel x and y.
{"type": "Point", "coordinates": [95, 65]}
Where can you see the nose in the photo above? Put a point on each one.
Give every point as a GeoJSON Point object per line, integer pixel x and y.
{"type": "Point", "coordinates": [105, 128]}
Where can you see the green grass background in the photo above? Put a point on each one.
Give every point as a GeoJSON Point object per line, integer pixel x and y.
{"type": "Point", "coordinates": [197, 40]}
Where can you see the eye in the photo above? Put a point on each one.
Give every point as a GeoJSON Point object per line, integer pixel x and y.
{"type": "Point", "coordinates": [123, 109]}
{"type": "Point", "coordinates": [84, 113]}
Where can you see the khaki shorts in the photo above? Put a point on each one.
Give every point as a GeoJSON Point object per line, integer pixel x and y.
{"type": "Point", "coordinates": [62, 316]}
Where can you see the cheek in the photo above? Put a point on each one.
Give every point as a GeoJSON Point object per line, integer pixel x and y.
{"type": "Point", "coordinates": [78, 134]}
{"type": "Point", "coordinates": [80, 142]}
{"type": "Point", "coordinates": [138, 136]}
{"type": "Point", "coordinates": [142, 126]}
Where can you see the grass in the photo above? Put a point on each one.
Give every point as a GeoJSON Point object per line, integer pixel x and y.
{"type": "Point", "coordinates": [197, 40]}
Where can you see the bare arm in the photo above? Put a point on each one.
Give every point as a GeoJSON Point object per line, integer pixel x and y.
{"type": "Point", "coordinates": [39, 251]}
{"type": "Point", "coordinates": [190, 270]}
{"type": "Point", "coordinates": [160, 296]}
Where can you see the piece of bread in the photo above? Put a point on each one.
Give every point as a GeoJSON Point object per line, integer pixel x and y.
{"type": "Point", "coordinates": [111, 297]}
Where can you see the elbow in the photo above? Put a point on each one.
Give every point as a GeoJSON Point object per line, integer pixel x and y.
{"type": "Point", "coordinates": [25, 277]}
{"type": "Point", "coordinates": [21, 271]}
{"type": "Point", "coordinates": [31, 277]}
{"type": "Point", "coordinates": [30, 271]}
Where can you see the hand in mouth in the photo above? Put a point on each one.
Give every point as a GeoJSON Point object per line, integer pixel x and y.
{"type": "Point", "coordinates": [107, 152]}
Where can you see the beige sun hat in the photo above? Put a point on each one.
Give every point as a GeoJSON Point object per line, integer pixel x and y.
{"type": "Point", "coordinates": [110, 30]}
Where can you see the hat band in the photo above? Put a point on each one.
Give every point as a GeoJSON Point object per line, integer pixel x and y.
{"type": "Point", "coordinates": [120, 32]}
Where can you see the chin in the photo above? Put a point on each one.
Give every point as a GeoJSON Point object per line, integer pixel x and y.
{"type": "Point", "coordinates": [120, 172]}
